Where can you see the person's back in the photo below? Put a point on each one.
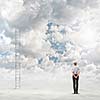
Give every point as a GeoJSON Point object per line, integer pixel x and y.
{"type": "Point", "coordinates": [75, 69]}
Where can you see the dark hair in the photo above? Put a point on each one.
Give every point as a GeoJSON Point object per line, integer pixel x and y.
{"type": "Point", "coordinates": [75, 63]}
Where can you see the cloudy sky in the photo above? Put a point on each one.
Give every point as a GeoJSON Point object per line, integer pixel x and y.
{"type": "Point", "coordinates": [80, 19]}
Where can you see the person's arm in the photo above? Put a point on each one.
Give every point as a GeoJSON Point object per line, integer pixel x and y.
{"type": "Point", "coordinates": [78, 73]}
{"type": "Point", "coordinates": [72, 73]}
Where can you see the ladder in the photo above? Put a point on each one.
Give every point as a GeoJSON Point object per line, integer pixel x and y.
{"type": "Point", "coordinates": [17, 60]}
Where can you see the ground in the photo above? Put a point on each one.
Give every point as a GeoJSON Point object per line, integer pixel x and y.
{"type": "Point", "coordinates": [22, 94]}
{"type": "Point", "coordinates": [44, 86]}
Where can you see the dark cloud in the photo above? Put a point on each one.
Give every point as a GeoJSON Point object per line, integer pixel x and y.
{"type": "Point", "coordinates": [32, 16]}
{"type": "Point", "coordinates": [35, 12]}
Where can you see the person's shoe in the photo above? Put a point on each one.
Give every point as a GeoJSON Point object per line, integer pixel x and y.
{"type": "Point", "coordinates": [76, 92]}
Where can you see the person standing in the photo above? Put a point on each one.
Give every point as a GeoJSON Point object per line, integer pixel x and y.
{"type": "Point", "coordinates": [75, 77]}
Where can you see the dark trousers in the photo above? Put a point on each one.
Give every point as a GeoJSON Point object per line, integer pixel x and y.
{"type": "Point", "coordinates": [75, 84]}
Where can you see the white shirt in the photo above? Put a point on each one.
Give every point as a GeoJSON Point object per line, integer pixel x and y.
{"type": "Point", "coordinates": [75, 69]}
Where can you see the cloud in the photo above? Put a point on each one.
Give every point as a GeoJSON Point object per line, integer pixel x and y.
{"type": "Point", "coordinates": [30, 17]}
{"type": "Point", "coordinates": [92, 56]}
{"type": "Point", "coordinates": [83, 3]}
{"type": "Point", "coordinates": [4, 40]}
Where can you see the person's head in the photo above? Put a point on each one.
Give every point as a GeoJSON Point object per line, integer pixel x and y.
{"type": "Point", "coordinates": [75, 63]}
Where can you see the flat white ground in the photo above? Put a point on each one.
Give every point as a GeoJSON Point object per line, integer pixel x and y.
{"type": "Point", "coordinates": [33, 94]}
{"type": "Point", "coordinates": [44, 86]}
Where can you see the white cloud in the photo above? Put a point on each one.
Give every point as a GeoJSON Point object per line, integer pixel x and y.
{"type": "Point", "coordinates": [31, 16]}
{"type": "Point", "coordinates": [11, 8]}
{"type": "Point", "coordinates": [4, 40]}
